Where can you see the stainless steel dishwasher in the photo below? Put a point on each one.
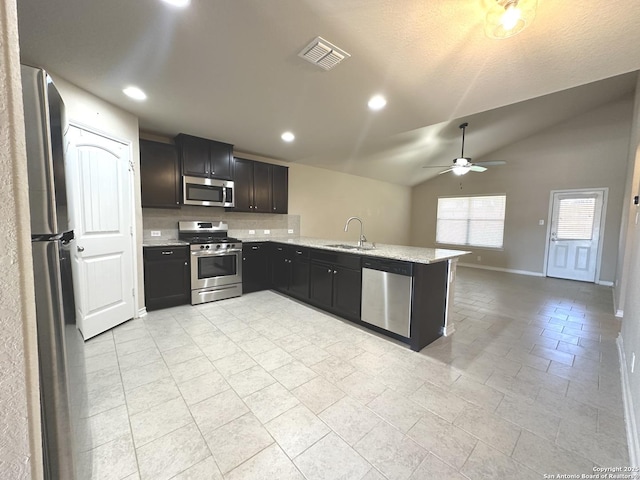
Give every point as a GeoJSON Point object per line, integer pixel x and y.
{"type": "Point", "coordinates": [386, 294]}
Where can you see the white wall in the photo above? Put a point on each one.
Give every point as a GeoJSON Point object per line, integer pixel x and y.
{"type": "Point", "coordinates": [586, 152]}
{"type": "Point", "coordinates": [85, 109]}
{"type": "Point", "coordinates": [630, 335]}
{"type": "Point", "coordinates": [20, 439]}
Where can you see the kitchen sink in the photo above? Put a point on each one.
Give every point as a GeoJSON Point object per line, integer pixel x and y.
{"type": "Point", "coordinates": [350, 247]}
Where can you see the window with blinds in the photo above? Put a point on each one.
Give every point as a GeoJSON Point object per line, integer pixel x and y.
{"type": "Point", "coordinates": [474, 221]}
{"type": "Point", "coordinates": [575, 218]}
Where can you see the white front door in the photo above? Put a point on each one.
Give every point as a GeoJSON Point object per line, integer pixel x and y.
{"type": "Point", "coordinates": [575, 235]}
{"type": "Point", "coordinates": [99, 175]}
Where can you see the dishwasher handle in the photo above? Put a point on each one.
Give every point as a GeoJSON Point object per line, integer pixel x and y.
{"type": "Point", "coordinates": [386, 265]}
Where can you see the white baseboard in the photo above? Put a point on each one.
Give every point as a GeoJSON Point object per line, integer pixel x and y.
{"type": "Point", "coordinates": [142, 312]}
{"type": "Point", "coordinates": [629, 413]}
{"type": "Point", "coordinates": [619, 313]}
{"type": "Point", "coordinates": [606, 283]}
{"type": "Point", "coordinates": [499, 269]}
{"type": "Point", "coordinates": [448, 330]}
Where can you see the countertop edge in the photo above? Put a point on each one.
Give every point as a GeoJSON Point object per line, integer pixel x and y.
{"type": "Point", "coordinates": [421, 255]}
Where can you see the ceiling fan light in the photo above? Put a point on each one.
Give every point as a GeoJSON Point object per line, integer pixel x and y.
{"type": "Point", "coordinates": [509, 17]}
{"type": "Point", "coordinates": [461, 162]}
{"type": "Point", "coordinates": [459, 170]}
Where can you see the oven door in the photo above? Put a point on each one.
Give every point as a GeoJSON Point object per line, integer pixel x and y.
{"type": "Point", "coordinates": [215, 268]}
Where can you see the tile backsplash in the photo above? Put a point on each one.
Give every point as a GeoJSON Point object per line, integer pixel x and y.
{"type": "Point", "coordinates": [166, 221]}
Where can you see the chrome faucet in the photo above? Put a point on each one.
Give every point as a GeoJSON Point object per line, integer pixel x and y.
{"type": "Point", "coordinates": [362, 237]}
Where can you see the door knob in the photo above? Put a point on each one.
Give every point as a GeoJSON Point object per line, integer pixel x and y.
{"type": "Point", "coordinates": [80, 249]}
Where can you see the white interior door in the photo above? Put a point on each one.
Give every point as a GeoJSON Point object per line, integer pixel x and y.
{"type": "Point", "coordinates": [99, 174]}
{"type": "Point", "coordinates": [575, 235]}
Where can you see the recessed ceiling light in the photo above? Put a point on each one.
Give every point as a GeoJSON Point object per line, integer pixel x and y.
{"type": "Point", "coordinates": [288, 137]}
{"type": "Point", "coordinates": [135, 93]}
{"type": "Point", "coordinates": [178, 3]}
{"type": "Point", "coordinates": [377, 102]}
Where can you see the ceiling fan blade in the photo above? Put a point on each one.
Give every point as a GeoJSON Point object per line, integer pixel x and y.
{"type": "Point", "coordinates": [436, 166]}
{"type": "Point", "coordinates": [477, 168]}
{"type": "Point", "coordinates": [491, 164]}
{"type": "Point", "coordinates": [445, 171]}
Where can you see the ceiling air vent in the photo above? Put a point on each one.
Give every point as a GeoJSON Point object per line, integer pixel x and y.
{"type": "Point", "coordinates": [323, 54]}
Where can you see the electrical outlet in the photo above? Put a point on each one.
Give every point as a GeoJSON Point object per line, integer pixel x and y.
{"type": "Point", "coordinates": [267, 232]}
{"type": "Point", "coordinates": [540, 222]}
{"type": "Point", "coordinates": [633, 362]}
{"type": "Point", "coordinates": [156, 233]}
{"type": "Point", "coordinates": [479, 258]}
{"type": "Point", "coordinates": [252, 232]}
{"type": "Point", "coordinates": [290, 230]}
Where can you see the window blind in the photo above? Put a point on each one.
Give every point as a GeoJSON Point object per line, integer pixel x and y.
{"type": "Point", "coordinates": [473, 221]}
{"type": "Point", "coordinates": [575, 218]}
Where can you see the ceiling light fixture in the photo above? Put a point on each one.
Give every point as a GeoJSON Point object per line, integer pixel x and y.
{"type": "Point", "coordinates": [135, 93]}
{"type": "Point", "coordinates": [507, 18]}
{"type": "Point", "coordinates": [377, 102]}
{"type": "Point", "coordinates": [460, 167]}
{"type": "Point", "coordinates": [178, 3]}
{"type": "Point", "coordinates": [288, 137]}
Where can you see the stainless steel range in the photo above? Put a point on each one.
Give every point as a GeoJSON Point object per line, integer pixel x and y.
{"type": "Point", "coordinates": [216, 261]}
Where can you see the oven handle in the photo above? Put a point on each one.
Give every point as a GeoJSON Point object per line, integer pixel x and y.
{"type": "Point", "coordinates": [220, 253]}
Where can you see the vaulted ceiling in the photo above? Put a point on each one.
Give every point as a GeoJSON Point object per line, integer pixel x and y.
{"type": "Point", "coordinates": [229, 70]}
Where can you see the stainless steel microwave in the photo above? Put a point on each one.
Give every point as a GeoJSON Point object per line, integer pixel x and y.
{"type": "Point", "coordinates": [209, 192]}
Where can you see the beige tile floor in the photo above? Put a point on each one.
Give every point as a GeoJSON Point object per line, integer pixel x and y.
{"type": "Point", "coordinates": [262, 387]}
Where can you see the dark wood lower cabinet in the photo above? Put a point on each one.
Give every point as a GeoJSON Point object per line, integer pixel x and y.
{"type": "Point", "coordinates": [336, 283]}
{"type": "Point", "coordinates": [166, 276]}
{"type": "Point", "coordinates": [321, 284]}
{"type": "Point", "coordinates": [290, 270]}
{"type": "Point", "coordinates": [347, 292]}
{"type": "Point", "coordinates": [255, 267]}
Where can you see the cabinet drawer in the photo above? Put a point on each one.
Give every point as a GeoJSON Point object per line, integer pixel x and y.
{"type": "Point", "coordinates": [165, 253]}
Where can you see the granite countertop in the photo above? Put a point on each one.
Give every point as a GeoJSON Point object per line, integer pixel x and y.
{"type": "Point", "coordinates": [163, 242]}
{"type": "Point", "coordinates": [395, 252]}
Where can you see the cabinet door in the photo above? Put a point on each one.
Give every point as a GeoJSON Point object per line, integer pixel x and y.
{"type": "Point", "coordinates": [254, 268]}
{"type": "Point", "coordinates": [321, 284]}
{"type": "Point", "coordinates": [220, 155]}
{"type": "Point", "coordinates": [194, 153]}
{"type": "Point", "coordinates": [347, 291]}
{"type": "Point", "coordinates": [261, 187]}
{"type": "Point", "coordinates": [299, 285]}
{"type": "Point", "coordinates": [280, 189]}
{"type": "Point", "coordinates": [159, 175]}
{"type": "Point", "coordinates": [280, 269]}
{"type": "Point", "coordinates": [243, 185]}
{"type": "Point", "coordinates": [166, 277]}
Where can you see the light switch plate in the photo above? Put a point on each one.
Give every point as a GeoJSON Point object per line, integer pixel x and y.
{"type": "Point", "coordinates": [156, 233]}
{"type": "Point", "coordinates": [267, 232]}
{"type": "Point", "coordinates": [252, 232]}
{"type": "Point", "coordinates": [290, 230]}
{"type": "Point", "coordinates": [540, 222]}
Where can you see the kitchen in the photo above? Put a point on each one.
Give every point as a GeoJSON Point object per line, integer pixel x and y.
{"type": "Point", "coordinates": [378, 203]}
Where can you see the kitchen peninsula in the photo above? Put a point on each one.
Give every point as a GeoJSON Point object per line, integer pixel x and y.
{"type": "Point", "coordinates": [400, 291]}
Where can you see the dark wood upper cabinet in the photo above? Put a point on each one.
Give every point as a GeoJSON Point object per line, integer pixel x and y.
{"type": "Point", "coordinates": [159, 175]}
{"type": "Point", "coordinates": [280, 189]}
{"type": "Point", "coordinates": [205, 158]}
{"type": "Point", "coordinates": [260, 187]}
{"type": "Point", "coordinates": [243, 185]}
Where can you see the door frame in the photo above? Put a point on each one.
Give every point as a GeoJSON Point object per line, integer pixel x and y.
{"type": "Point", "coordinates": [605, 196]}
{"type": "Point", "coordinates": [131, 181]}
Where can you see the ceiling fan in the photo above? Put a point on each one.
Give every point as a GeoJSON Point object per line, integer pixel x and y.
{"type": "Point", "coordinates": [462, 165]}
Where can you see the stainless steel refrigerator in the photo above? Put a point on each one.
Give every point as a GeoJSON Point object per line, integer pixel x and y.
{"type": "Point", "coordinates": [51, 240]}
